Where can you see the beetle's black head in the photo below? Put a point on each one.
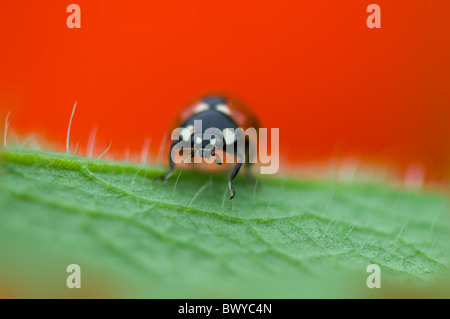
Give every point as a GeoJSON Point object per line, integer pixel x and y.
{"type": "Point", "coordinates": [209, 131]}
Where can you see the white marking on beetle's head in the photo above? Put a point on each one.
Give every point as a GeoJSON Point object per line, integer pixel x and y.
{"type": "Point", "coordinates": [229, 136]}
{"type": "Point", "coordinates": [200, 107]}
{"type": "Point", "coordinates": [213, 141]}
{"type": "Point", "coordinates": [187, 132]}
{"type": "Point", "coordinates": [198, 140]}
{"type": "Point", "coordinates": [223, 108]}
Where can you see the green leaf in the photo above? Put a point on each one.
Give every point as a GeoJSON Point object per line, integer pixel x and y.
{"type": "Point", "coordinates": [280, 237]}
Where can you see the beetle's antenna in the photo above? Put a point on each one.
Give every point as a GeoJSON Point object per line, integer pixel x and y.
{"type": "Point", "coordinates": [91, 141]}
{"type": "Point", "coordinates": [6, 128]}
{"type": "Point", "coordinates": [144, 152]}
{"type": "Point", "coordinates": [110, 143]}
{"type": "Point", "coordinates": [68, 130]}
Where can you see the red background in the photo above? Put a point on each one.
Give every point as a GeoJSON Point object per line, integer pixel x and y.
{"type": "Point", "coordinates": [311, 68]}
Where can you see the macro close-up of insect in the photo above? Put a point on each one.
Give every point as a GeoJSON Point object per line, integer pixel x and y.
{"type": "Point", "coordinates": [221, 135]}
{"type": "Point", "coordinates": [221, 152]}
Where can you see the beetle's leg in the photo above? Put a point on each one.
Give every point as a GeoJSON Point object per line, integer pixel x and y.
{"type": "Point", "coordinates": [218, 160]}
{"type": "Point", "coordinates": [235, 171]}
{"type": "Point", "coordinates": [233, 174]}
{"type": "Point", "coordinates": [243, 157]}
{"type": "Point", "coordinates": [248, 164]}
{"type": "Point", "coordinates": [167, 175]}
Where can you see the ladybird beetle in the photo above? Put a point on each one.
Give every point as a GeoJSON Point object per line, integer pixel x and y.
{"type": "Point", "coordinates": [225, 115]}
